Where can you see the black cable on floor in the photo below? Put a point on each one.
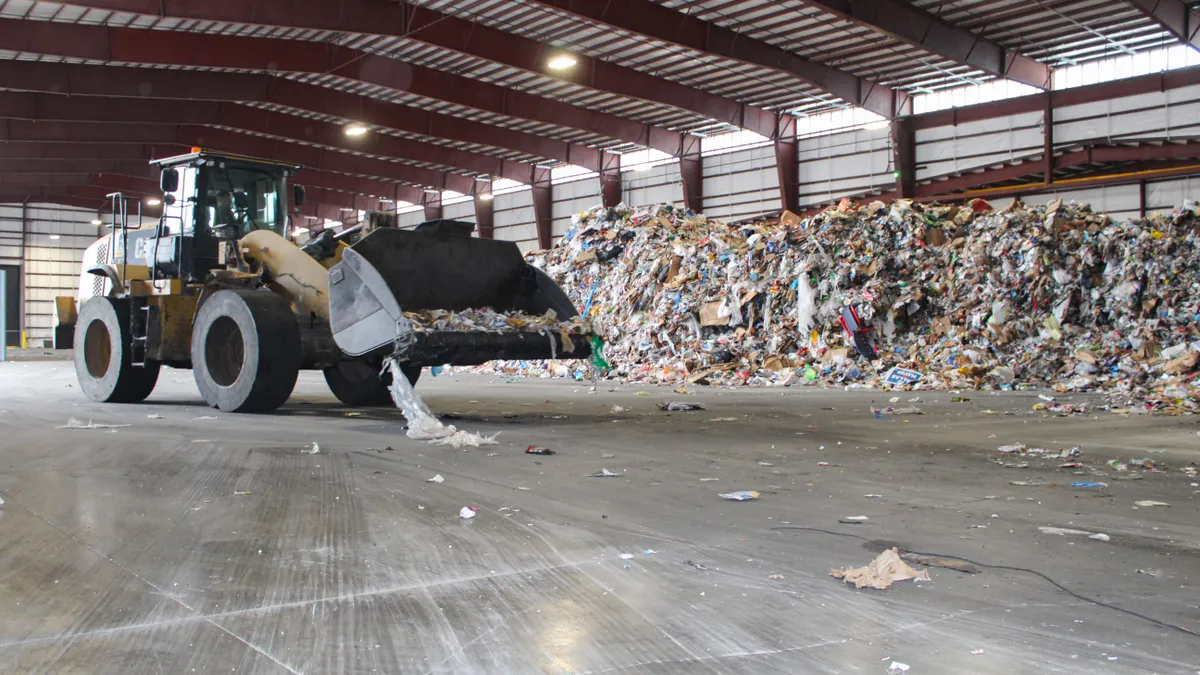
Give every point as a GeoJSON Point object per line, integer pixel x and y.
{"type": "Point", "coordinates": [1158, 622]}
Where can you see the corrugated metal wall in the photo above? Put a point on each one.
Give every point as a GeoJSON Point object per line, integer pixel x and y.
{"type": "Point", "coordinates": [49, 267]}
{"type": "Point", "coordinates": [845, 163]}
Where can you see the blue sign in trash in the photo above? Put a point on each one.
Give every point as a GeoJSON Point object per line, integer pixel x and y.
{"type": "Point", "coordinates": [901, 376]}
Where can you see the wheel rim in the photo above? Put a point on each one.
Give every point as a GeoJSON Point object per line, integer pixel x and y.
{"type": "Point", "coordinates": [224, 351]}
{"type": "Point", "coordinates": [97, 349]}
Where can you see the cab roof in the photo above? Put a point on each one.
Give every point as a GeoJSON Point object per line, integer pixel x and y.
{"type": "Point", "coordinates": [200, 154]}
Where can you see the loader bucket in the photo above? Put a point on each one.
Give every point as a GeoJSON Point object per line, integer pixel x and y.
{"type": "Point", "coordinates": [391, 271]}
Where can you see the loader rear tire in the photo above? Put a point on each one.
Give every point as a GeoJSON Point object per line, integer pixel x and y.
{"type": "Point", "coordinates": [357, 383]}
{"type": "Point", "coordinates": [246, 351]}
{"type": "Point", "coordinates": [103, 361]}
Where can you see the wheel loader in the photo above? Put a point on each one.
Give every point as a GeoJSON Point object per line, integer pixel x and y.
{"type": "Point", "coordinates": [218, 284]}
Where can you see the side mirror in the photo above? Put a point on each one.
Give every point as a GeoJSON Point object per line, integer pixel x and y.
{"type": "Point", "coordinates": [169, 180]}
{"type": "Point", "coordinates": [297, 196]}
{"type": "Point", "coordinates": [169, 199]}
{"type": "Point", "coordinates": [240, 201]}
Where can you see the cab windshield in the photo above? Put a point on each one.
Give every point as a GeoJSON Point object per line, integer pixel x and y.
{"type": "Point", "coordinates": [236, 200]}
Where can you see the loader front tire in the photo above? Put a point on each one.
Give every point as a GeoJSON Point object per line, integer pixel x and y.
{"type": "Point", "coordinates": [246, 351]}
{"type": "Point", "coordinates": [357, 383]}
{"type": "Point", "coordinates": [103, 362]}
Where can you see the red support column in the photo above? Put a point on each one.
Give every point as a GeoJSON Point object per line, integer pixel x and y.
{"type": "Point", "coordinates": [610, 179]}
{"type": "Point", "coordinates": [543, 205]}
{"type": "Point", "coordinates": [485, 211]}
{"type": "Point", "coordinates": [787, 163]}
{"type": "Point", "coordinates": [903, 157]}
{"type": "Point", "coordinates": [691, 171]}
{"type": "Point", "coordinates": [1048, 139]}
{"type": "Point", "coordinates": [432, 201]}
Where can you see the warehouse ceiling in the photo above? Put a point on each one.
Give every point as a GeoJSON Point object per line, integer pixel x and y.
{"type": "Point", "coordinates": [461, 92]}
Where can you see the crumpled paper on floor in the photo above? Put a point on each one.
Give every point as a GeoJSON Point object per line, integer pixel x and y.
{"type": "Point", "coordinates": [886, 569]}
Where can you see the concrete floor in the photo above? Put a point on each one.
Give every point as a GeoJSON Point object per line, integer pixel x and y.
{"type": "Point", "coordinates": [208, 542]}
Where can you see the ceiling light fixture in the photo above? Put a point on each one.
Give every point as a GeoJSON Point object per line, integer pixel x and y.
{"type": "Point", "coordinates": [97, 222]}
{"type": "Point", "coordinates": [354, 130]}
{"type": "Point", "coordinates": [153, 201]}
{"type": "Point", "coordinates": [54, 236]}
{"type": "Point", "coordinates": [485, 196]}
{"type": "Point", "coordinates": [561, 62]}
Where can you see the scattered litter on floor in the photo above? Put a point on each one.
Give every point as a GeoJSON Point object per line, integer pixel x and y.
{"type": "Point", "coordinates": [535, 450]}
{"type": "Point", "coordinates": [437, 478]}
{"type": "Point", "coordinates": [154, 417]}
{"type": "Point", "coordinates": [626, 556]}
{"type": "Point", "coordinates": [73, 423]}
{"type": "Point", "coordinates": [886, 569]}
{"type": "Point", "coordinates": [1153, 573]}
{"type": "Point", "coordinates": [775, 577]}
{"type": "Point", "coordinates": [467, 512]}
{"type": "Point", "coordinates": [649, 551]}
{"type": "Point", "coordinates": [242, 493]}
{"type": "Point", "coordinates": [314, 450]}
{"type": "Point", "coordinates": [873, 496]}
{"type": "Point", "coordinates": [1088, 484]}
{"type": "Point", "coordinates": [1150, 502]}
{"type": "Point", "coordinates": [607, 455]}
{"type": "Point", "coordinates": [740, 496]}
{"type": "Point", "coordinates": [1028, 483]}
{"type": "Point", "coordinates": [1099, 536]}
{"type": "Point", "coordinates": [695, 565]}
{"type": "Point", "coordinates": [891, 411]}
{"type": "Point", "coordinates": [605, 473]}
{"type": "Point", "coordinates": [205, 417]}
{"type": "Point", "coordinates": [765, 464]}
{"type": "Point", "coordinates": [976, 652]}
{"type": "Point", "coordinates": [617, 410]}
{"type": "Point", "coordinates": [705, 480]}
{"type": "Point", "coordinates": [723, 419]}
{"type": "Point", "coordinates": [422, 425]}
{"type": "Point", "coordinates": [679, 406]}
{"type": "Point", "coordinates": [938, 561]}
{"type": "Point", "coordinates": [854, 519]}
{"type": "Point", "coordinates": [897, 668]}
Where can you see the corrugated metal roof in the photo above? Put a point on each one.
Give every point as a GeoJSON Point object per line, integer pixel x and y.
{"type": "Point", "coordinates": [1057, 32]}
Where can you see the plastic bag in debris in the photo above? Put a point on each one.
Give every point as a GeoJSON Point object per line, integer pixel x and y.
{"type": "Point", "coordinates": [78, 424]}
{"type": "Point", "coordinates": [422, 425]}
{"type": "Point", "coordinates": [1052, 295]}
{"type": "Point", "coordinates": [881, 572]}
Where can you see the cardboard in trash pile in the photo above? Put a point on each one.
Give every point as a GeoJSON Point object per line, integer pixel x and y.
{"type": "Point", "coordinates": [1053, 295]}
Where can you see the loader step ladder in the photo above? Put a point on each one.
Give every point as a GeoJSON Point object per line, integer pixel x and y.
{"type": "Point", "coordinates": [139, 330]}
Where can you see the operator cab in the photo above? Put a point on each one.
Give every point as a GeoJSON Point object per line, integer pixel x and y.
{"type": "Point", "coordinates": [210, 201]}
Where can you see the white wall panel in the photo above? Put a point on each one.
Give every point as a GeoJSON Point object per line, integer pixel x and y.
{"type": "Point", "coordinates": [658, 185]}
{"type": "Point", "coordinates": [461, 211]}
{"type": "Point", "coordinates": [571, 198]}
{"type": "Point", "coordinates": [1169, 114]}
{"type": "Point", "coordinates": [1170, 195]}
{"type": "Point", "coordinates": [949, 149]}
{"type": "Point", "coordinates": [49, 267]}
{"type": "Point", "coordinates": [514, 220]}
{"type": "Point", "coordinates": [741, 184]}
{"type": "Point", "coordinates": [844, 163]}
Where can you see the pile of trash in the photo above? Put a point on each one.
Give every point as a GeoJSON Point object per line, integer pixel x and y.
{"type": "Point", "coordinates": [903, 294]}
{"type": "Point", "coordinates": [488, 320]}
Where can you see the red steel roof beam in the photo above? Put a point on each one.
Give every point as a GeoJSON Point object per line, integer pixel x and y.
{"type": "Point", "coordinates": [668, 25]}
{"type": "Point", "coordinates": [1176, 17]}
{"type": "Point", "coordinates": [919, 28]}
{"type": "Point", "coordinates": [133, 45]}
{"type": "Point", "coordinates": [402, 19]}
{"type": "Point", "coordinates": [142, 83]}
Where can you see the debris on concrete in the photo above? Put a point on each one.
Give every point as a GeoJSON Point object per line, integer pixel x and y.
{"type": "Point", "coordinates": [154, 417]}
{"type": "Point", "coordinates": [314, 450]}
{"type": "Point", "coordinates": [605, 473]}
{"type": "Point", "coordinates": [1088, 484]}
{"type": "Point", "coordinates": [679, 406]}
{"type": "Point", "coordinates": [73, 423]}
{"type": "Point", "coordinates": [890, 410]}
{"type": "Point", "coordinates": [854, 520]}
{"type": "Point", "coordinates": [617, 410]}
{"type": "Point", "coordinates": [467, 512]}
{"type": "Point", "coordinates": [897, 668]}
{"type": "Point", "coordinates": [535, 450]}
{"type": "Point", "coordinates": [626, 556]}
{"type": "Point", "coordinates": [886, 569]}
{"type": "Point", "coordinates": [938, 561]}
{"type": "Point", "coordinates": [437, 478]}
{"type": "Point", "coordinates": [1066, 531]}
{"type": "Point", "coordinates": [695, 565]}
{"type": "Point", "coordinates": [242, 493]}
{"type": "Point", "coordinates": [740, 496]}
{"type": "Point", "coordinates": [1150, 502]}
{"type": "Point", "coordinates": [1099, 536]}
